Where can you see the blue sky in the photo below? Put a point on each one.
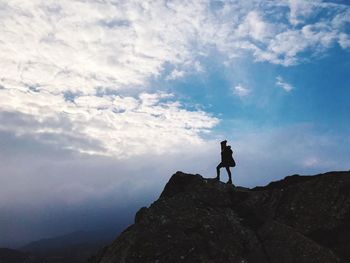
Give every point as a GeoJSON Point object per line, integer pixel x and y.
{"type": "Point", "coordinates": [98, 107]}
{"type": "Point", "coordinates": [320, 91]}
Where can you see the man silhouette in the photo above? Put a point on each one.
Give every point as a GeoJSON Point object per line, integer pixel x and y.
{"type": "Point", "coordinates": [227, 161]}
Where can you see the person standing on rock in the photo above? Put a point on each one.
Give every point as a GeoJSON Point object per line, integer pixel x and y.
{"type": "Point", "coordinates": [227, 161]}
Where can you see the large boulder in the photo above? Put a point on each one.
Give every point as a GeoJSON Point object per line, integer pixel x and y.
{"type": "Point", "coordinates": [298, 219]}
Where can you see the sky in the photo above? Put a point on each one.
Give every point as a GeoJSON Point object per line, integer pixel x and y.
{"type": "Point", "coordinates": [101, 101]}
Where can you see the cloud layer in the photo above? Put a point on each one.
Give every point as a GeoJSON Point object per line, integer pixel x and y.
{"type": "Point", "coordinates": [107, 125]}
{"type": "Point", "coordinates": [66, 64]}
{"type": "Point", "coordinates": [47, 191]}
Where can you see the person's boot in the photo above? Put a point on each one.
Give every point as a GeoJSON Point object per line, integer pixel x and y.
{"type": "Point", "coordinates": [217, 178]}
{"type": "Point", "coordinates": [229, 181]}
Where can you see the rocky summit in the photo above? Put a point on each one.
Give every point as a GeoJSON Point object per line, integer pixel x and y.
{"type": "Point", "coordinates": [300, 219]}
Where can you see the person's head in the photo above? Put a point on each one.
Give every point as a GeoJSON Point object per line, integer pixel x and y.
{"type": "Point", "coordinates": [223, 143]}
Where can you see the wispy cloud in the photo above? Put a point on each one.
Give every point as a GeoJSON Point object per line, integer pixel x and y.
{"type": "Point", "coordinates": [284, 85]}
{"type": "Point", "coordinates": [240, 91]}
{"type": "Point", "coordinates": [121, 126]}
{"type": "Point", "coordinates": [175, 74]}
{"type": "Point", "coordinates": [68, 62]}
{"type": "Point", "coordinates": [255, 27]}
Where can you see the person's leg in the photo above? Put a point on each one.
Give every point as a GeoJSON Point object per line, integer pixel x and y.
{"type": "Point", "coordinates": [218, 171]}
{"type": "Point", "coordinates": [229, 175]}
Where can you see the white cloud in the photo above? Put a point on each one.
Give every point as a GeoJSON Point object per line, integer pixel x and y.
{"type": "Point", "coordinates": [284, 85]}
{"type": "Point", "coordinates": [116, 44]}
{"type": "Point", "coordinates": [311, 162]}
{"type": "Point", "coordinates": [344, 41]}
{"type": "Point", "coordinates": [69, 61]}
{"type": "Point", "coordinates": [254, 26]}
{"type": "Point", "coordinates": [175, 74]}
{"type": "Point", "coordinates": [119, 126]}
{"type": "Point", "coordinates": [283, 43]}
{"type": "Point", "coordinates": [51, 49]}
{"type": "Point", "coordinates": [299, 10]}
{"type": "Point", "coordinates": [240, 91]}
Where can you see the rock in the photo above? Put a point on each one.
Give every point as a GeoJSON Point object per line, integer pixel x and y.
{"type": "Point", "coordinates": [298, 219]}
{"type": "Point", "coordinates": [8, 255]}
{"type": "Point", "coordinates": [140, 214]}
{"type": "Point", "coordinates": [283, 242]}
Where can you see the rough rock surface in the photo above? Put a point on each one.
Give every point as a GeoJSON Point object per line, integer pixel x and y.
{"type": "Point", "coordinates": [8, 255]}
{"type": "Point", "coordinates": [298, 219]}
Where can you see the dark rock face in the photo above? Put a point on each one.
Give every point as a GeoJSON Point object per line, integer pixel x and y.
{"type": "Point", "coordinates": [298, 219]}
{"type": "Point", "coordinates": [8, 255]}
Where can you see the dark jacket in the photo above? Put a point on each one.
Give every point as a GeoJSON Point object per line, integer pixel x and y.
{"type": "Point", "coordinates": [226, 157]}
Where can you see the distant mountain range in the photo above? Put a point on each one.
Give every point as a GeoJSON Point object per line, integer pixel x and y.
{"type": "Point", "coordinates": [8, 255]}
{"type": "Point", "coordinates": [75, 247]}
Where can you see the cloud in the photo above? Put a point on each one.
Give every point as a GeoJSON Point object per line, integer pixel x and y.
{"type": "Point", "coordinates": [120, 126]}
{"type": "Point", "coordinates": [66, 67]}
{"type": "Point", "coordinates": [311, 162]}
{"type": "Point", "coordinates": [300, 10]}
{"type": "Point", "coordinates": [266, 154]}
{"type": "Point", "coordinates": [344, 41]}
{"type": "Point", "coordinates": [288, 43]}
{"type": "Point", "coordinates": [54, 190]}
{"type": "Point", "coordinates": [240, 91]}
{"type": "Point", "coordinates": [284, 85]}
{"type": "Point", "coordinates": [175, 74]}
{"type": "Point", "coordinates": [255, 27]}
{"type": "Point", "coordinates": [113, 45]}
{"type": "Point", "coordinates": [64, 70]}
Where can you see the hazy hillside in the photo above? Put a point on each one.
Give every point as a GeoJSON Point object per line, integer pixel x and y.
{"type": "Point", "coordinates": [75, 247]}
{"type": "Point", "coordinates": [15, 256]}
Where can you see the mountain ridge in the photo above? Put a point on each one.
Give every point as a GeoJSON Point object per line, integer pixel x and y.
{"type": "Point", "coordinates": [73, 247]}
{"type": "Point", "coordinates": [297, 219]}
